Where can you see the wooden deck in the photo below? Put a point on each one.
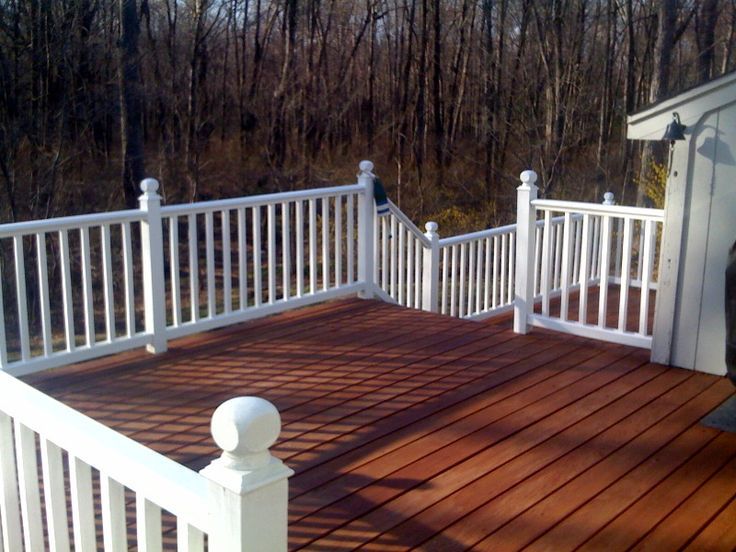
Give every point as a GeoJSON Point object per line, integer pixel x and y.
{"type": "Point", "coordinates": [408, 429]}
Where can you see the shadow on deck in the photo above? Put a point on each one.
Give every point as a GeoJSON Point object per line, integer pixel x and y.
{"type": "Point", "coordinates": [410, 429]}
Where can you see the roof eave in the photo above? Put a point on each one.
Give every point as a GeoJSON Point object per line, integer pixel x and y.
{"type": "Point", "coordinates": [650, 123]}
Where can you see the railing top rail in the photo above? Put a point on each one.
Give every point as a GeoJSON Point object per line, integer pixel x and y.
{"type": "Point", "coordinates": [399, 214]}
{"type": "Point", "coordinates": [168, 484]}
{"type": "Point", "coordinates": [65, 223]}
{"type": "Point", "coordinates": [490, 232]}
{"type": "Point", "coordinates": [254, 201]}
{"type": "Point", "coordinates": [598, 209]}
{"type": "Point", "coordinates": [481, 234]}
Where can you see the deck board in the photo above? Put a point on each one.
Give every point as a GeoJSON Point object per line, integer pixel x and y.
{"type": "Point", "coordinates": [409, 429]}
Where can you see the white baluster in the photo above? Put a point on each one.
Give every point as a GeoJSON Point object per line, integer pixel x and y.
{"type": "Point", "coordinates": [463, 264]}
{"type": "Point", "coordinates": [299, 240]}
{"type": "Point", "coordinates": [242, 260]}
{"type": "Point", "coordinates": [646, 276]}
{"type": "Point", "coordinates": [496, 264]}
{"type": "Point", "coordinates": [112, 499]}
{"type": "Point", "coordinates": [285, 250]}
{"type": "Point", "coordinates": [312, 246]}
{"type": "Point", "coordinates": [471, 277]}
{"type": "Point", "coordinates": [445, 262]}
{"type": "Point", "coordinates": [546, 262]}
{"type": "Point", "coordinates": [417, 273]}
{"type": "Point", "coordinates": [393, 254]}
{"type": "Point", "coordinates": [57, 523]}
{"type": "Point", "coordinates": [227, 277]}
{"type": "Point", "coordinates": [478, 275]}
{"type": "Point", "coordinates": [174, 268]}
{"type": "Point", "coordinates": [193, 267]}
{"type": "Point", "coordinates": [109, 298]}
{"type": "Point", "coordinates": [402, 259]}
{"type": "Point", "coordinates": [83, 508]}
{"type": "Point", "coordinates": [384, 254]}
{"type": "Point", "coordinates": [10, 524]}
{"type": "Point", "coordinates": [584, 269]}
{"type": "Point", "coordinates": [30, 498]}
{"type": "Point", "coordinates": [66, 291]}
{"type": "Point", "coordinates": [623, 309]}
{"type": "Point", "coordinates": [453, 282]}
{"type": "Point", "coordinates": [43, 290]}
{"type": "Point", "coordinates": [188, 537]}
{"type": "Point", "coordinates": [148, 525]}
{"type": "Point", "coordinates": [209, 232]}
{"type": "Point", "coordinates": [271, 246]}
{"type": "Point", "coordinates": [89, 322]}
{"type": "Point", "coordinates": [325, 243]}
{"type": "Point", "coordinates": [566, 275]}
{"type": "Point", "coordinates": [487, 285]}
{"type": "Point", "coordinates": [605, 265]}
{"type": "Point", "coordinates": [257, 278]}
{"type": "Point", "coordinates": [338, 241]}
{"type": "Point", "coordinates": [351, 239]}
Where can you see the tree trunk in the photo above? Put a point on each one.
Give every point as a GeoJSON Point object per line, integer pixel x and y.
{"type": "Point", "coordinates": [131, 102]}
{"type": "Point", "coordinates": [654, 151]}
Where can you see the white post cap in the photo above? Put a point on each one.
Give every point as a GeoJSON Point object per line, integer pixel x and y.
{"type": "Point", "coordinates": [149, 187]}
{"type": "Point", "coordinates": [366, 168]}
{"type": "Point", "coordinates": [245, 428]}
{"type": "Point", "coordinates": [431, 227]}
{"type": "Point", "coordinates": [528, 178]}
{"type": "Point", "coordinates": [608, 198]}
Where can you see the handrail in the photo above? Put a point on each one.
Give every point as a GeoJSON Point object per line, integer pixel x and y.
{"type": "Point", "coordinates": [65, 223]}
{"type": "Point", "coordinates": [399, 214]}
{"type": "Point", "coordinates": [259, 200]}
{"type": "Point", "coordinates": [481, 234]}
{"type": "Point", "coordinates": [595, 208]}
{"type": "Point", "coordinates": [164, 482]}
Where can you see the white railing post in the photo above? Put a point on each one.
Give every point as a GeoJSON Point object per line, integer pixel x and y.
{"type": "Point", "coordinates": [525, 232]}
{"type": "Point", "coordinates": [431, 269]}
{"type": "Point", "coordinates": [366, 237]}
{"type": "Point", "coordinates": [248, 488]}
{"type": "Point", "coordinates": [152, 252]}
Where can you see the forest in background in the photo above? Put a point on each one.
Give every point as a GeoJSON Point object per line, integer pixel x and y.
{"type": "Point", "coordinates": [450, 98]}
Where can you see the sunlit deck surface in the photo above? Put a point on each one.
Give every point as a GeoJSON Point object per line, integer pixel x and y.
{"type": "Point", "coordinates": [410, 429]}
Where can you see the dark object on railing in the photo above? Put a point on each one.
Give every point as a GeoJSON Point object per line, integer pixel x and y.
{"type": "Point", "coordinates": [379, 194]}
{"type": "Point", "coordinates": [731, 314]}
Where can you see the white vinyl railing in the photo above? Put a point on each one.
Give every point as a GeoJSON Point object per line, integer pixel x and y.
{"type": "Point", "coordinates": [78, 312]}
{"type": "Point", "coordinates": [81, 287]}
{"type": "Point", "coordinates": [606, 249]}
{"type": "Point", "coordinates": [258, 252]}
{"type": "Point", "coordinates": [90, 471]}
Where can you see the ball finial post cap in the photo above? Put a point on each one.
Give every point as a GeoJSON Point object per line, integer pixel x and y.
{"type": "Point", "coordinates": [528, 177]}
{"type": "Point", "coordinates": [149, 185]}
{"type": "Point", "coordinates": [366, 166]}
{"type": "Point", "coordinates": [608, 198]}
{"type": "Point", "coordinates": [431, 227]}
{"type": "Point", "coordinates": [245, 428]}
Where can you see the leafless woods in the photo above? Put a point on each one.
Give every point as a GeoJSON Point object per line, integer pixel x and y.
{"type": "Point", "coordinates": [450, 98]}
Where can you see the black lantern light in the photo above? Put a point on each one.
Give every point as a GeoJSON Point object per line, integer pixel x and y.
{"type": "Point", "coordinates": [675, 130]}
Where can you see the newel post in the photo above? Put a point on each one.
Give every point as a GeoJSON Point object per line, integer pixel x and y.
{"type": "Point", "coordinates": [152, 252]}
{"type": "Point", "coordinates": [526, 220]}
{"type": "Point", "coordinates": [366, 222]}
{"type": "Point", "coordinates": [431, 269]}
{"type": "Point", "coordinates": [248, 488]}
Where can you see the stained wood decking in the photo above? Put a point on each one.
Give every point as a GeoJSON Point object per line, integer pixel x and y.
{"type": "Point", "coordinates": [409, 429]}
